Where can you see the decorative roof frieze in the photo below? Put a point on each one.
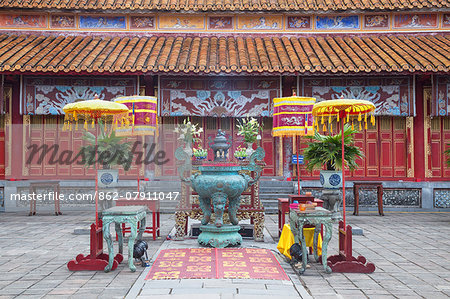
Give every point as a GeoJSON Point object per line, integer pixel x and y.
{"type": "Point", "coordinates": [223, 5]}
{"type": "Point", "coordinates": [237, 23]}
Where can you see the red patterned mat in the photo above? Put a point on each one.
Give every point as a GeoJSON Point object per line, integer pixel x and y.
{"type": "Point", "coordinates": [251, 263]}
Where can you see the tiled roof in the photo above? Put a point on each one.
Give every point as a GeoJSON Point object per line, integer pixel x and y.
{"type": "Point", "coordinates": [208, 5]}
{"type": "Point", "coordinates": [216, 54]}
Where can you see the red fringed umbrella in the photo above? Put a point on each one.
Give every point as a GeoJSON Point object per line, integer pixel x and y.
{"type": "Point", "coordinates": [292, 116]}
{"type": "Point", "coordinates": [143, 112]}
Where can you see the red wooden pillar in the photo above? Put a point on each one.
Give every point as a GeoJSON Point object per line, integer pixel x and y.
{"type": "Point", "coordinates": [418, 125]}
{"type": "Point", "coordinates": [16, 147]}
{"type": "Point", "coordinates": [5, 108]}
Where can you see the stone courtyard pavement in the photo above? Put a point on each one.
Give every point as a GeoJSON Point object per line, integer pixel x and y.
{"type": "Point", "coordinates": [410, 250]}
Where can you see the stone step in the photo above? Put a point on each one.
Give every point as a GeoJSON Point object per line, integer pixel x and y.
{"type": "Point", "coordinates": [270, 183]}
{"type": "Point", "coordinates": [269, 203]}
{"type": "Point", "coordinates": [274, 196]}
{"type": "Point", "coordinates": [276, 190]}
{"type": "Point", "coordinates": [272, 178]}
{"type": "Point", "coordinates": [270, 206]}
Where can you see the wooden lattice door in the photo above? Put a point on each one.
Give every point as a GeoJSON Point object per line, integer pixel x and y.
{"type": "Point", "coordinates": [438, 143]}
{"type": "Point", "coordinates": [268, 144]}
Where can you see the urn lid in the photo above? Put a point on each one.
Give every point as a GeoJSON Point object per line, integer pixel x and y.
{"type": "Point", "coordinates": [220, 138]}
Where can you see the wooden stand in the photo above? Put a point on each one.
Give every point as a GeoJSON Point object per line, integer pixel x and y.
{"type": "Point", "coordinates": [52, 184]}
{"type": "Point", "coordinates": [96, 260]}
{"type": "Point", "coordinates": [345, 262]}
{"type": "Point", "coordinates": [367, 185]}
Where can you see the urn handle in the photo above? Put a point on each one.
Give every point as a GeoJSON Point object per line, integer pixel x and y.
{"type": "Point", "coordinates": [259, 155]}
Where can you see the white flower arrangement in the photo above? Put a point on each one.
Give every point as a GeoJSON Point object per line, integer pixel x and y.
{"type": "Point", "coordinates": [249, 128]}
{"type": "Point", "coordinates": [188, 131]}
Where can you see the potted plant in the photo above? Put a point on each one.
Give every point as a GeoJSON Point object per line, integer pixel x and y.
{"type": "Point", "coordinates": [249, 128]}
{"type": "Point", "coordinates": [111, 151]}
{"type": "Point", "coordinates": [240, 153]}
{"type": "Point", "coordinates": [326, 150]}
{"type": "Point", "coordinates": [189, 133]}
{"type": "Point", "coordinates": [200, 153]}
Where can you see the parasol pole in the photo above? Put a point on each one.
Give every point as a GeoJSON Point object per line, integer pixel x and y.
{"type": "Point", "coordinates": [298, 164]}
{"type": "Point", "coordinates": [138, 166]}
{"type": "Point", "coordinates": [96, 174]}
{"type": "Point", "coordinates": [343, 165]}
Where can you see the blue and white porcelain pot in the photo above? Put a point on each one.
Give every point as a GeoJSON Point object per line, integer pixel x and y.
{"type": "Point", "coordinates": [108, 178]}
{"type": "Point", "coordinates": [331, 179]}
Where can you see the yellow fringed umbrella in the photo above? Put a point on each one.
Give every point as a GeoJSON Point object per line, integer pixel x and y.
{"type": "Point", "coordinates": [95, 108]}
{"type": "Point", "coordinates": [343, 107]}
{"type": "Point", "coordinates": [91, 111]}
{"type": "Point", "coordinates": [344, 110]}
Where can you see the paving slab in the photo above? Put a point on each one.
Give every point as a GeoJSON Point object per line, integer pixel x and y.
{"type": "Point", "coordinates": [410, 262]}
{"type": "Point", "coordinates": [152, 291]}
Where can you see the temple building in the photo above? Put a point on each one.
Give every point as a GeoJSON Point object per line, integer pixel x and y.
{"type": "Point", "coordinates": [216, 61]}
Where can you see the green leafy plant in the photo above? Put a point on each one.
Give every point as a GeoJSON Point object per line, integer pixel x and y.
{"type": "Point", "coordinates": [249, 128]}
{"type": "Point", "coordinates": [240, 153]}
{"type": "Point", "coordinates": [447, 152]}
{"type": "Point", "coordinates": [200, 152]}
{"type": "Point", "coordinates": [327, 150]}
{"type": "Point", "coordinates": [111, 150]}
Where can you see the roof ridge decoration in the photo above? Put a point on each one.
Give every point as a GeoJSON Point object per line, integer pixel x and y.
{"type": "Point", "coordinates": [226, 54]}
{"type": "Point", "coordinates": [221, 5]}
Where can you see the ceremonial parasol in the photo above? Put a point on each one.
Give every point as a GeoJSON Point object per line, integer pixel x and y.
{"type": "Point", "coordinates": [90, 112]}
{"type": "Point", "coordinates": [143, 115]}
{"type": "Point", "coordinates": [343, 110]}
{"type": "Point", "coordinates": [292, 116]}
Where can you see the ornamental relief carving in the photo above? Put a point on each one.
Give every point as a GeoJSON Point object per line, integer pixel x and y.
{"type": "Point", "coordinates": [223, 22]}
